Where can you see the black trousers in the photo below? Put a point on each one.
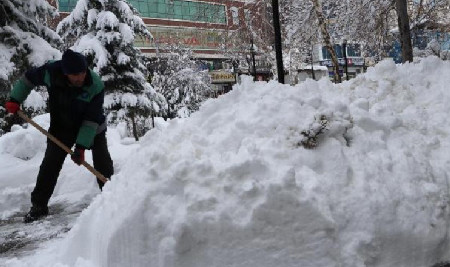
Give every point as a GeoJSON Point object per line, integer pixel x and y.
{"type": "Point", "coordinates": [53, 161]}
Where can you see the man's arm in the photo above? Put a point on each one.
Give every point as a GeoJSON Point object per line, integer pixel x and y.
{"type": "Point", "coordinates": [89, 127]}
{"type": "Point", "coordinates": [93, 116]}
{"type": "Point", "coordinates": [32, 78]}
{"type": "Point", "coordinates": [91, 121]}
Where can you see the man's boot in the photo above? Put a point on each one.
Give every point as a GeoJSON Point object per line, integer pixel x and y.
{"type": "Point", "coordinates": [35, 213]}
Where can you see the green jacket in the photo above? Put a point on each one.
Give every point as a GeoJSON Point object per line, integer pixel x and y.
{"type": "Point", "coordinates": [72, 109]}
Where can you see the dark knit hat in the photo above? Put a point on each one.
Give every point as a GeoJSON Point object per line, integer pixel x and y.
{"type": "Point", "coordinates": [73, 62]}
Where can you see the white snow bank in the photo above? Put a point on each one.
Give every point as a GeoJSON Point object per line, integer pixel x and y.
{"type": "Point", "coordinates": [25, 143]}
{"type": "Point", "coordinates": [21, 153]}
{"type": "Point", "coordinates": [231, 186]}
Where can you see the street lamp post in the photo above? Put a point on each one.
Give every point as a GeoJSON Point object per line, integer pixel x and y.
{"type": "Point", "coordinates": [278, 48]}
{"type": "Point", "coordinates": [235, 64]}
{"type": "Point", "coordinates": [312, 62]}
{"type": "Point", "coordinates": [344, 52]}
{"type": "Point", "coordinates": [252, 53]}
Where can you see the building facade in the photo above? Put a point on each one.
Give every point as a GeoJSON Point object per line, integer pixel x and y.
{"type": "Point", "coordinates": [211, 28]}
{"type": "Point", "coordinates": [219, 32]}
{"type": "Point", "coordinates": [349, 59]}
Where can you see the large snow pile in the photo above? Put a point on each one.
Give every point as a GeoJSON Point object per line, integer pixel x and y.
{"type": "Point", "coordinates": [234, 186]}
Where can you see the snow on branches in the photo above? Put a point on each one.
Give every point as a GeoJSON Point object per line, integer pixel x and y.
{"type": "Point", "coordinates": [105, 31]}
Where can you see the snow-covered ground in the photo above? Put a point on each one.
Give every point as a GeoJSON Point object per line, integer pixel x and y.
{"type": "Point", "coordinates": [233, 186]}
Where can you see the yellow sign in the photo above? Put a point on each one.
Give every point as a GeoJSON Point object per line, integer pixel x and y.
{"type": "Point", "coordinates": [222, 77]}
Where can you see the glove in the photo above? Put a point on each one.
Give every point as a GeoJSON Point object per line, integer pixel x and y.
{"type": "Point", "coordinates": [78, 155]}
{"type": "Point", "coordinates": [12, 107]}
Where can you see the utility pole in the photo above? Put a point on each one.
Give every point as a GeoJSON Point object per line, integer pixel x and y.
{"type": "Point", "coordinates": [252, 53]}
{"type": "Point", "coordinates": [344, 52]}
{"type": "Point", "coordinates": [312, 62]}
{"type": "Point", "coordinates": [278, 47]}
{"type": "Point", "coordinates": [405, 32]}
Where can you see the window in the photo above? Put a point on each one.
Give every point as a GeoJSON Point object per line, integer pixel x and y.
{"type": "Point", "coordinates": [338, 50]}
{"type": "Point", "coordinates": [181, 10]}
{"type": "Point", "coordinates": [144, 8]}
{"type": "Point", "coordinates": [248, 17]}
{"type": "Point", "coordinates": [325, 53]}
{"type": "Point", "coordinates": [171, 9]}
{"type": "Point", "coordinates": [67, 5]}
{"type": "Point", "coordinates": [353, 50]}
{"type": "Point", "coordinates": [235, 15]}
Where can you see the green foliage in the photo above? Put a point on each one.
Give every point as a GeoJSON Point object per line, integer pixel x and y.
{"type": "Point", "coordinates": [328, 125]}
{"type": "Point", "coordinates": [311, 136]}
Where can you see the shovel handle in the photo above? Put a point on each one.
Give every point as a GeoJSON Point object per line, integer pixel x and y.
{"type": "Point", "coordinates": [61, 145]}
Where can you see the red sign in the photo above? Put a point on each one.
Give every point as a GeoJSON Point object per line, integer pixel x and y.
{"type": "Point", "coordinates": [194, 38]}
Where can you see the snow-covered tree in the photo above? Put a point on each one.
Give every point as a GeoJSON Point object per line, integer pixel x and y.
{"type": "Point", "coordinates": [326, 37]}
{"type": "Point", "coordinates": [104, 31]}
{"type": "Point", "coordinates": [180, 81]}
{"type": "Point", "coordinates": [430, 20]}
{"type": "Point", "coordinates": [376, 24]}
{"type": "Point", "coordinates": [299, 41]}
{"type": "Point", "coordinates": [435, 12]}
{"type": "Point", "coordinates": [251, 23]}
{"type": "Point", "coordinates": [306, 23]}
{"type": "Point", "coordinates": [369, 23]}
{"type": "Point", "coordinates": [25, 41]}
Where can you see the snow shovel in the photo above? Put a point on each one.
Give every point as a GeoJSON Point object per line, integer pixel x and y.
{"type": "Point", "coordinates": [62, 146]}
